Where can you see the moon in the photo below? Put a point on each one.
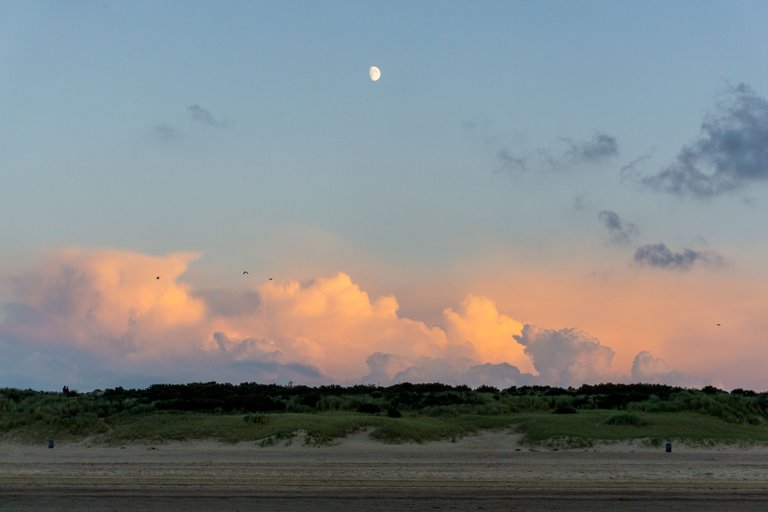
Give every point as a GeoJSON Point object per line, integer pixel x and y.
{"type": "Point", "coordinates": [374, 73]}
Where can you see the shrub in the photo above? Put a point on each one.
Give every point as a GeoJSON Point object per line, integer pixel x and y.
{"type": "Point", "coordinates": [369, 408]}
{"type": "Point", "coordinates": [626, 419]}
{"type": "Point", "coordinates": [256, 419]}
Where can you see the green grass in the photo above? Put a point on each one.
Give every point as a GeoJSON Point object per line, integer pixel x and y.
{"type": "Point", "coordinates": [540, 429]}
{"type": "Point", "coordinates": [320, 428]}
{"type": "Point", "coordinates": [587, 427]}
{"type": "Point", "coordinates": [177, 426]}
{"type": "Point", "coordinates": [422, 429]}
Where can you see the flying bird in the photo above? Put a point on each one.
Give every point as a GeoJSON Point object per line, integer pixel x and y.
{"type": "Point", "coordinates": [718, 325]}
{"type": "Point", "coordinates": [245, 272]}
{"type": "Point", "coordinates": [158, 277]}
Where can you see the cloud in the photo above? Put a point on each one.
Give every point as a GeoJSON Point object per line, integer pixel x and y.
{"type": "Point", "coordinates": [631, 172]}
{"type": "Point", "coordinates": [227, 302]}
{"type": "Point", "coordinates": [653, 370]}
{"type": "Point", "coordinates": [167, 133]}
{"type": "Point", "coordinates": [730, 153]}
{"type": "Point", "coordinates": [598, 149]}
{"type": "Point", "coordinates": [203, 116]}
{"type": "Point", "coordinates": [660, 256]}
{"type": "Point", "coordinates": [99, 317]}
{"type": "Point", "coordinates": [601, 146]}
{"type": "Point", "coordinates": [621, 233]}
{"type": "Point", "coordinates": [387, 369]}
{"type": "Point", "coordinates": [489, 333]}
{"type": "Point", "coordinates": [567, 356]}
{"type": "Point", "coordinates": [335, 325]}
{"type": "Point", "coordinates": [104, 300]}
{"type": "Point", "coordinates": [511, 162]}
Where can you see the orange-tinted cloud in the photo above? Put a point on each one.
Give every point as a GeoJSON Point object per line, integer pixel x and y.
{"type": "Point", "coordinates": [333, 324]}
{"type": "Point", "coordinates": [106, 305]}
{"type": "Point", "coordinates": [105, 300]}
{"type": "Point", "coordinates": [490, 333]}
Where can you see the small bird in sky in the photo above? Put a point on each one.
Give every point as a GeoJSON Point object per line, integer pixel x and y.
{"type": "Point", "coordinates": [158, 277]}
{"type": "Point", "coordinates": [270, 278]}
{"type": "Point", "coordinates": [718, 325]}
{"type": "Point", "coordinates": [245, 272]}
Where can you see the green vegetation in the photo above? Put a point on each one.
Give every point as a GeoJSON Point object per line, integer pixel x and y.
{"type": "Point", "coordinates": [269, 414]}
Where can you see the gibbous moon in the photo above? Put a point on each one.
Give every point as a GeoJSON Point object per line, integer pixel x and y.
{"type": "Point", "coordinates": [374, 73]}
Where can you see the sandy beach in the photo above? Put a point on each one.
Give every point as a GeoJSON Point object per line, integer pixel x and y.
{"type": "Point", "coordinates": [490, 471]}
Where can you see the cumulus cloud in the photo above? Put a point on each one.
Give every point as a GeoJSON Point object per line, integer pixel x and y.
{"type": "Point", "coordinates": [653, 370]}
{"type": "Point", "coordinates": [730, 153]}
{"type": "Point", "coordinates": [620, 232]}
{"type": "Point", "coordinates": [566, 356]}
{"type": "Point", "coordinates": [203, 116]}
{"type": "Point", "coordinates": [660, 256]}
{"type": "Point", "coordinates": [105, 300]}
{"type": "Point", "coordinates": [489, 333]}
{"type": "Point", "coordinates": [387, 369]}
{"type": "Point", "coordinates": [228, 302]}
{"type": "Point", "coordinates": [332, 322]}
{"type": "Point", "coordinates": [598, 149]}
{"type": "Point", "coordinates": [100, 317]}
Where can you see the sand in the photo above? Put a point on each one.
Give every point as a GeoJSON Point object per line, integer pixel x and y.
{"type": "Point", "coordinates": [490, 472]}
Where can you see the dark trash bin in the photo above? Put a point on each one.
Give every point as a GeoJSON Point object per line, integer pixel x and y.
{"type": "Point", "coordinates": [50, 443]}
{"type": "Point", "coordinates": [669, 447]}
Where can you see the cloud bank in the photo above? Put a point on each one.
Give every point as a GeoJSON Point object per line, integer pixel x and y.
{"type": "Point", "coordinates": [101, 317]}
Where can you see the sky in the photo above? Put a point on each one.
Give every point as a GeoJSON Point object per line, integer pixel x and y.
{"type": "Point", "coordinates": [551, 193]}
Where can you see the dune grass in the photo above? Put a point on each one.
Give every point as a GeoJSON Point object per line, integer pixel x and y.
{"type": "Point", "coordinates": [588, 427]}
{"type": "Point", "coordinates": [178, 426]}
{"type": "Point", "coordinates": [539, 429]}
{"type": "Point", "coordinates": [405, 413]}
{"type": "Point", "coordinates": [320, 428]}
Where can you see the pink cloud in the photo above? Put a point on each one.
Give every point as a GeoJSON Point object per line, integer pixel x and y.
{"type": "Point", "coordinates": [107, 307]}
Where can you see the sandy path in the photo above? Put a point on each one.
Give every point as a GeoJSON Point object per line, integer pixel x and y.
{"type": "Point", "coordinates": [487, 472]}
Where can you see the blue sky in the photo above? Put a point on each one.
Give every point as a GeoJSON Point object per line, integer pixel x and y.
{"type": "Point", "coordinates": [504, 140]}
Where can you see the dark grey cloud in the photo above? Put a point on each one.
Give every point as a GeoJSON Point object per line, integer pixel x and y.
{"type": "Point", "coordinates": [601, 147]}
{"type": "Point", "coordinates": [730, 153]}
{"type": "Point", "coordinates": [660, 256]}
{"type": "Point", "coordinates": [203, 116]}
{"type": "Point", "coordinates": [620, 232]}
